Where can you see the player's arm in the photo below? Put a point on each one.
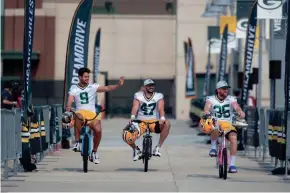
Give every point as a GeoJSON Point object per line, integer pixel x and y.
{"type": "Point", "coordinates": [207, 107]}
{"type": "Point", "coordinates": [238, 109]}
{"type": "Point", "coordinates": [70, 100]}
{"type": "Point", "coordinates": [111, 87]}
{"type": "Point", "coordinates": [135, 108]}
{"type": "Point", "coordinates": [160, 106]}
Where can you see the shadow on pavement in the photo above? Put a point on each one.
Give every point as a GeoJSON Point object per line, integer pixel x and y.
{"type": "Point", "coordinates": [135, 170]}
{"type": "Point", "coordinates": [72, 170]}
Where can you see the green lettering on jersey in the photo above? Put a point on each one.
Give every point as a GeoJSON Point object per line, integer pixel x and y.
{"type": "Point", "coordinates": [148, 109]}
{"type": "Point", "coordinates": [222, 111]}
{"type": "Point", "coordinates": [84, 98]}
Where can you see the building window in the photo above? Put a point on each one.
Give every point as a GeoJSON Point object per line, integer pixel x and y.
{"type": "Point", "coordinates": [170, 7]}
{"type": "Point", "coordinates": [105, 7]}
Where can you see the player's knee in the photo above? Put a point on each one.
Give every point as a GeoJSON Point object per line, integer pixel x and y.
{"type": "Point", "coordinates": [233, 137]}
{"type": "Point", "coordinates": [167, 125]}
{"type": "Point", "coordinates": [96, 124]}
{"type": "Point", "coordinates": [214, 134]}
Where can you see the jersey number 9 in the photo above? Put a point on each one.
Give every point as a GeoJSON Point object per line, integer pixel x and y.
{"type": "Point", "coordinates": [148, 108]}
{"type": "Point", "coordinates": [84, 98]}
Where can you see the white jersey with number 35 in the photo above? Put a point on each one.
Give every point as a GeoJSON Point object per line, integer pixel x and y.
{"type": "Point", "coordinates": [223, 109]}
{"type": "Point", "coordinates": [148, 109]}
{"type": "Point", "coordinates": [85, 98]}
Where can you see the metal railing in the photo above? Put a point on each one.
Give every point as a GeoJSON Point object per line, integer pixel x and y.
{"type": "Point", "coordinates": [272, 141]}
{"type": "Point", "coordinates": [10, 139]}
{"type": "Point", "coordinates": [44, 137]}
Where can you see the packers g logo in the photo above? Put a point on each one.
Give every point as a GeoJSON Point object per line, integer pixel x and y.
{"type": "Point", "coordinates": [242, 24]}
{"type": "Point", "coordinates": [270, 4]}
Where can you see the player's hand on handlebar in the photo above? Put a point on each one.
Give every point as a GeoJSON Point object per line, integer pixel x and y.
{"type": "Point", "coordinates": [242, 115]}
{"type": "Point", "coordinates": [206, 116]}
{"type": "Point", "coordinates": [131, 119]}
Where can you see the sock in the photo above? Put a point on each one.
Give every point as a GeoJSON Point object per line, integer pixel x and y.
{"type": "Point", "coordinates": [232, 160]}
{"type": "Point", "coordinates": [213, 144]}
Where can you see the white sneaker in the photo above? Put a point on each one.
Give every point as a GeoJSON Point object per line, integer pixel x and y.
{"type": "Point", "coordinates": [137, 154]}
{"type": "Point", "coordinates": [77, 147]}
{"type": "Point", "coordinates": [94, 157]}
{"type": "Point", "coordinates": [156, 151]}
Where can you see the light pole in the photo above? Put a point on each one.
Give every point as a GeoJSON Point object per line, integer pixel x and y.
{"type": "Point", "coordinates": [215, 12]}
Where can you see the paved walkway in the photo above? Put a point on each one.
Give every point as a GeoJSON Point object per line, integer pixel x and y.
{"type": "Point", "coordinates": [183, 167]}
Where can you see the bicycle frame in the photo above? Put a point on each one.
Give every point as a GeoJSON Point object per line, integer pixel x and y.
{"type": "Point", "coordinates": [147, 144]}
{"type": "Point", "coordinates": [86, 137]}
{"type": "Point", "coordinates": [222, 160]}
{"type": "Point", "coordinates": [220, 147]}
{"type": "Point", "coordinates": [223, 144]}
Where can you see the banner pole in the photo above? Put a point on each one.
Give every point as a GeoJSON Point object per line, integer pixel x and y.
{"type": "Point", "coordinates": [260, 61]}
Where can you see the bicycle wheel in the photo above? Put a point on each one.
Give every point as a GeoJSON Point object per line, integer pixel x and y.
{"type": "Point", "coordinates": [225, 163]}
{"type": "Point", "coordinates": [146, 154]}
{"type": "Point", "coordinates": [85, 152]}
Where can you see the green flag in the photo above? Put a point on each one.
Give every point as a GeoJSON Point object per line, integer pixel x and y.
{"type": "Point", "coordinates": [77, 45]}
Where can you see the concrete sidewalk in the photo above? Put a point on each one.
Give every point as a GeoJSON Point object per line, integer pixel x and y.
{"type": "Point", "coordinates": [183, 167]}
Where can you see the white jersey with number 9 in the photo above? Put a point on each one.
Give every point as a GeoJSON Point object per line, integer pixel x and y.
{"type": "Point", "coordinates": [223, 109]}
{"type": "Point", "coordinates": [148, 109]}
{"type": "Point", "coordinates": [85, 98]}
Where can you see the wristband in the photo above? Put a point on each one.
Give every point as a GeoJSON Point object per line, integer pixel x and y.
{"type": "Point", "coordinates": [133, 117]}
{"type": "Point", "coordinates": [162, 118]}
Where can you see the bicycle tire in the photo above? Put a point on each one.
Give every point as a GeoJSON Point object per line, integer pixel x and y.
{"type": "Point", "coordinates": [221, 171]}
{"type": "Point", "coordinates": [146, 153]}
{"type": "Point", "coordinates": [220, 165]}
{"type": "Point", "coordinates": [85, 153]}
{"type": "Point", "coordinates": [225, 163]}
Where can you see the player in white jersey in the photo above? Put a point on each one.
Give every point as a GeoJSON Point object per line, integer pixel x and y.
{"type": "Point", "coordinates": [148, 105]}
{"type": "Point", "coordinates": [84, 95]}
{"type": "Point", "coordinates": [223, 105]}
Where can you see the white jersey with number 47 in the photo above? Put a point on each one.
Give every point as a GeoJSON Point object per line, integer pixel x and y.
{"type": "Point", "coordinates": [223, 109]}
{"type": "Point", "coordinates": [148, 109]}
{"type": "Point", "coordinates": [85, 98]}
